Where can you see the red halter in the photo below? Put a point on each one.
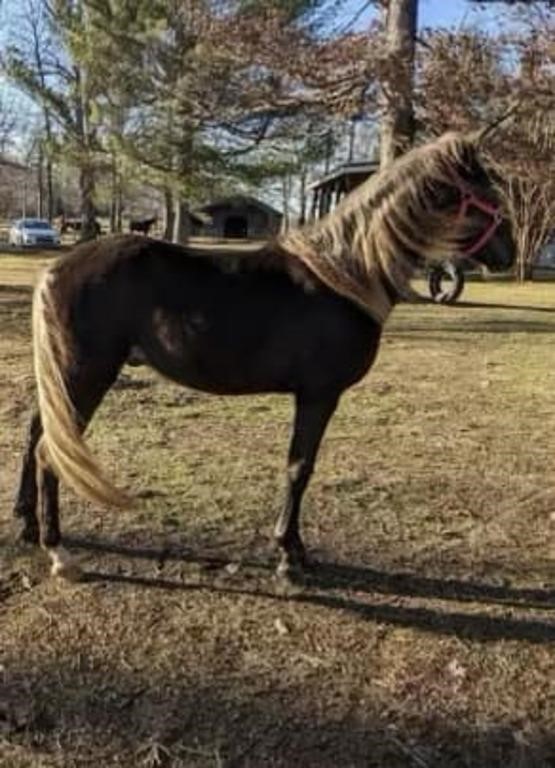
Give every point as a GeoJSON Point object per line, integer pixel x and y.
{"type": "Point", "coordinates": [469, 200]}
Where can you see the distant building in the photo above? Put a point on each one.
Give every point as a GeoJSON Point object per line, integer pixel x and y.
{"type": "Point", "coordinates": [239, 216]}
{"type": "Point", "coordinates": [328, 191]}
{"type": "Point", "coordinates": [17, 189]}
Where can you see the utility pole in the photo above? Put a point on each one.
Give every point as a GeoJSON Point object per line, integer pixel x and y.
{"type": "Point", "coordinates": [397, 130]}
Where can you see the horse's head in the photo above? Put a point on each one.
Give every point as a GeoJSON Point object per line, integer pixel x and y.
{"type": "Point", "coordinates": [436, 202]}
{"type": "Point", "coordinates": [484, 230]}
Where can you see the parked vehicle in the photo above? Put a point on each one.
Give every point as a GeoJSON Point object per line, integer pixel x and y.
{"type": "Point", "coordinates": [25, 232]}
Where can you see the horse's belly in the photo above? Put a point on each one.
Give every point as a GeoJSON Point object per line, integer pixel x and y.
{"type": "Point", "coordinates": [216, 358]}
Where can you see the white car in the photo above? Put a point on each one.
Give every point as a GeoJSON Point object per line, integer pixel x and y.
{"type": "Point", "coordinates": [33, 232]}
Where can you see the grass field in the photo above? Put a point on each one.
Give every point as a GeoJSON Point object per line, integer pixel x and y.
{"type": "Point", "coordinates": [425, 639]}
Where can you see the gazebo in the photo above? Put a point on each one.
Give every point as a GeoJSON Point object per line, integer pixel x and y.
{"type": "Point", "coordinates": [328, 191]}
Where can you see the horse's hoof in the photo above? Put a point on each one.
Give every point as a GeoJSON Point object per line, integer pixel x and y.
{"type": "Point", "coordinates": [136, 357]}
{"type": "Point", "coordinates": [291, 570]}
{"type": "Point", "coordinates": [64, 566]}
{"type": "Point", "coordinates": [71, 572]}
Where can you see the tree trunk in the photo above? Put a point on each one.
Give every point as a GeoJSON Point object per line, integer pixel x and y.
{"type": "Point", "coordinates": [116, 209]}
{"type": "Point", "coordinates": [116, 197]}
{"type": "Point", "coordinates": [34, 15]}
{"type": "Point", "coordinates": [168, 214]}
{"type": "Point", "coordinates": [89, 227]}
{"type": "Point", "coordinates": [181, 222]}
{"type": "Point", "coordinates": [182, 163]}
{"type": "Point", "coordinates": [302, 197]}
{"type": "Point", "coordinates": [87, 180]}
{"type": "Point", "coordinates": [285, 193]}
{"type": "Point", "coordinates": [525, 266]}
{"type": "Point", "coordinates": [113, 194]}
{"type": "Point", "coordinates": [49, 189]}
{"type": "Point", "coordinates": [40, 183]}
{"type": "Point", "coordinates": [119, 209]}
{"type": "Point", "coordinates": [397, 130]}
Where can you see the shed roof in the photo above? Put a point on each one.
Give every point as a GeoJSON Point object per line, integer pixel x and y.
{"type": "Point", "coordinates": [239, 201]}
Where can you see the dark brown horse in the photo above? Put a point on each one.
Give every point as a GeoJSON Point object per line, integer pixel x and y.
{"type": "Point", "coordinates": [301, 315]}
{"type": "Point", "coordinates": [76, 225]}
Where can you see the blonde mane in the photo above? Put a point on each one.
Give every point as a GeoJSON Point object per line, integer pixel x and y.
{"type": "Point", "coordinates": [382, 227]}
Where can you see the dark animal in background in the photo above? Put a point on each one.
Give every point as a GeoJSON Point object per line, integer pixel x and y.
{"type": "Point", "coordinates": [142, 225]}
{"type": "Point", "coordinates": [76, 225]}
{"type": "Point", "coordinates": [301, 315]}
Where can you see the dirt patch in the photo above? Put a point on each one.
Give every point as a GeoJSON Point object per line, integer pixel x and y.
{"type": "Point", "coordinates": [425, 636]}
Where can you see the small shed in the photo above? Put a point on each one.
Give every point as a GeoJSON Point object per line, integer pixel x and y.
{"type": "Point", "coordinates": [239, 216]}
{"type": "Point", "coordinates": [328, 191]}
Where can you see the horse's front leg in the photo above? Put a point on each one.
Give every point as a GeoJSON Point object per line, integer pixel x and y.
{"type": "Point", "coordinates": [25, 507]}
{"type": "Point", "coordinates": [311, 420]}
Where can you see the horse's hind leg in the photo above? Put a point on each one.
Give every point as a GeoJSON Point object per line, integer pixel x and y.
{"type": "Point", "coordinates": [87, 389]}
{"type": "Point", "coordinates": [311, 420]}
{"type": "Point", "coordinates": [25, 507]}
{"type": "Point", "coordinates": [48, 513]}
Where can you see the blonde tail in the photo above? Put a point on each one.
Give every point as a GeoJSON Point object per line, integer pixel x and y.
{"type": "Point", "coordinates": [62, 447]}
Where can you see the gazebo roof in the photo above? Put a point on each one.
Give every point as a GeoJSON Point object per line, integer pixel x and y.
{"type": "Point", "coordinates": [347, 170]}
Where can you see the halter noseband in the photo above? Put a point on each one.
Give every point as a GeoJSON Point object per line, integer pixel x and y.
{"type": "Point", "coordinates": [470, 200]}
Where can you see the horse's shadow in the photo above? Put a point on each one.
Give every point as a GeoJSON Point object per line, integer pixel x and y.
{"type": "Point", "coordinates": [356, 590]}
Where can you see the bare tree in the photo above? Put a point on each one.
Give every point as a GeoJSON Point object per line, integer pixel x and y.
{"type": "Point", "coordinates": [530, 190]}
{"type": "Point", "coordinates": [64, 86]}
{"type": "Point", "coordinates": [464, 82]}
{"type": "Point", "coordinates": [532, 211]}
{"type": "Point", "coordinates": [34, 19]}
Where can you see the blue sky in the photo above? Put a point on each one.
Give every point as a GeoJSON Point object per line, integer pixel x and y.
{"type": "Point", "coordinates": [434, 13]}
{"type": "Point", "coordinates": [444, 13]}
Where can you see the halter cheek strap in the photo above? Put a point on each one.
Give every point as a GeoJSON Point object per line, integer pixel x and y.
{"type": "Point", "coordinates": [470, 200]}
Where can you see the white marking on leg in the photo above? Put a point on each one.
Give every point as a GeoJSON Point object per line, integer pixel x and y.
{"type": "Point", "coordinates": [295, 469]}
{"type": "Point", "coordinates": [63, 564]}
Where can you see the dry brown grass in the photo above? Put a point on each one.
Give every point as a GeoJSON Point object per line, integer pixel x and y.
{"type": "Point", "coordinates": [426, 637]}
{"type": "Point", "coordinates": [21, 268]}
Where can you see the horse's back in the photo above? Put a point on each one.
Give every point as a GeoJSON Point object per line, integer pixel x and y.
{"type": "Point", "coordinates": [225, 319]}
